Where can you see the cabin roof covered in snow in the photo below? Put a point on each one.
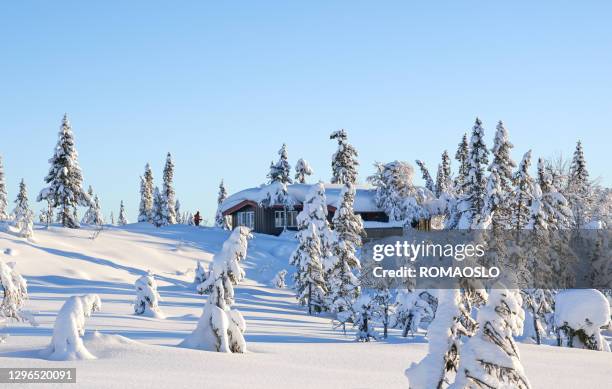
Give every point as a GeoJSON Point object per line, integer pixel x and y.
{"type": "Point", "coordinates": [364, 196]}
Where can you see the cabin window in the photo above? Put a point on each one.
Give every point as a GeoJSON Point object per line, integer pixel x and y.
{"type": "Point", "coordinates": [292, 218]}
{"type": "Point", "coordinates": [246, 219]}
{"type": "Point", "coordinates": [281, 222]}
{"type": "Point", "coordinates": [279, 219]}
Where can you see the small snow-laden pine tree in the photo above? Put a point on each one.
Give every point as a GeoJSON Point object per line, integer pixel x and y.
{"type": "Point", "coordinates": [177, 212]}
{"type": "Point", "coordinates": [364, 313]}
{"type": "Point", "coordinates": [168, 191]}
{"type": "Point", "coordinates": [344, 160]}
{"type": "Point", "coordinates": [382, 301]}
{"type": "Point", "coordinates": [200, 274]}
{"type": "Point", "coordinates": [343, 266]}
{"type": "Point", "coordinates": [441, 182]}
{"type": "Point", "coordinates": [429, 182]}
{"type": "Point", "coordinates": [14, 293]}
{"type": "Point", "coordinates": [234, 250]}
{"type": "Point", "coordinates": [502, 161]}
{"type": "Point", "coordinates": [221, 221]}
{"type": "Point", "coordinates": [446, 169]}
{"type": "Point", "coordinates": [308, 279]}
{"type": "Point", "coordinates": [221, 328]}
{"type": "Point", "coordinates": [159, 216]}
{"type": "Point", "coordinates": [65, 180]}
{"type": "Point", "coordinates": [523, 193]}
{"type": "Point", "coordinates": [189, 219]}
{"type": "Point", "coordinates": [112, 218]}
{"type": "Point", "coordinates": [98, 219]}
{"type": "Point", "coordinates": [147, 297]}
{"type": "Point", "coordinates": [302, 169]}
{"type": "Point", "coordinates": [122, 216]}
{"type": "Point", "coordinates": [538, 305]}
{"type": "Point", "coordinates": [67, 343]}
{"type": "Point", "coordinates": [444, 334]}
{"type": "Point", "coordinates": [3, 194]}
{"type": "Point", "coordinates": [89, 214]}
{"type": "Point", "coordinates": [281, 170]}
{"type": "Point", "coordinates": [393, 183]}
{"type": "Point", "coordinates": [279, 279]}
{"type": "Point", "coordinates": [24, 217]}
{"type": "Point", "coordinates": [497, 209]}
{"type": "Point", "coordinates": [580, 191]}
{"type": "Point", "coordinates": [491, 359]}
{"type": "Point", "coordinates": [315, 211]}
{"type": "Point", "coordinates": [146, 195]}
{"type": "Point", "coordinates": [462, 156]}
{"type": "Point", "coordinates": [557, 209]}
{"type": "Point", "coordinates": [410, 310]}
{"type": "Point", "coordinates": [471, 202]}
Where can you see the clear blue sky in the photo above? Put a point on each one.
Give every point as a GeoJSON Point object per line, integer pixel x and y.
{"type": "Point", "coordinates": [223, 84]}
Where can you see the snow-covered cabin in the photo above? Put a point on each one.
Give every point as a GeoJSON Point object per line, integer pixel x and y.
{"type": "Point", "coordinates": [245, 209]}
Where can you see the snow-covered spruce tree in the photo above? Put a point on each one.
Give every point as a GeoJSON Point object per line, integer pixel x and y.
{"type": "Point", "coordinates": [89, 214]}
{"type": "Point", "coordinates": [3, 194]}
{"type": "Point", "coordinates": [122, 215]}
{"type": "Point", "coordinates": [279, 279]}
{"type": "Point", "coordinates": [98, 219]}
{"type": "Point", "coordinates": [471, 202]}
{"type": "Point", "coordinates": [159, 216]}
{"type": "Point", "coordinates": [555, 204]}
{"type": "Point", "coordinates": [429, 182]}
{"type": "Point", "coordinates": [200, 274]}
{"type": "Point", "coordinates": [446, 167]}
{"type": "Point", "coordinates": [279, 177]}
{"type": "Point", "coordinates": [177, 211]}
{"type": "Point", "coordinates": [221, 328]}
{"type": "Point", "coordinates": [490, 358]}
{"type": "Point", "coordinates": [308, 278]}
{"type": "Point", "coordinates": [410, 309]}
{"type": "Point", "coordinates": [444, 334]}
{"type": "Point", "coordinates": [497, 209]}
{"type": "Point", "coordinates": [364, 313]}
{"type": "Point", "coordinates": [112, 218]}
{"type": "Point", "coordinates": [538, 304]}
{"type": "Point", "coordinates": [393, 183]}
{"type": "Point", "coordinates": [281, 170]}
{"type": "Point", "coordinates": [168, 191]}
{"type": "Point", "coordinates": [315, 211]}
{"type": "Point", "coordinates": [147, 297]}
{"type": "Point", "coordinates": [462, 156]}
{"type": "Point", "coordinates": [344, 160]}
{"type": "Point", "coordinates": [189, 219]}
{"type": "Point", "coordinates": [302, 169]}
{"type": "Point", "coordinates": [523, 193]}
{"type": "Point", "coordinates": [146, 195]}
{"type": "Point", "coordinates": [343, 267]}
{"type": "Point", "coordinates": [441, 181]}
{"type": "Point", "coordinates": [66, 343]}
{"type": "Point", "coordinates": [24, 217]}
{"type": "Point", "coordinates": [220, 220]}
{"type": "Point", "coordinates": [579, 189]}
{"type": "Point", "coordinates": [65, 180]}
{"type": "Point", "coordinates": [14, 293]}
{"type": "Point", "coordinates": [382, 301]}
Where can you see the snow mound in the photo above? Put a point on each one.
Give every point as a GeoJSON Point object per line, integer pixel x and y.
{"type": "Point", "coordinates": [585, 309]}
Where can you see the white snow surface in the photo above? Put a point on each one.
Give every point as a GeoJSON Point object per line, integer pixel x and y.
{"type": "Point", "coordinates": [287, 348]}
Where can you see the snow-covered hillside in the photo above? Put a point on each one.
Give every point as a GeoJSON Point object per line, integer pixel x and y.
{"type": "Point", "coordinates": [287, 348]}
